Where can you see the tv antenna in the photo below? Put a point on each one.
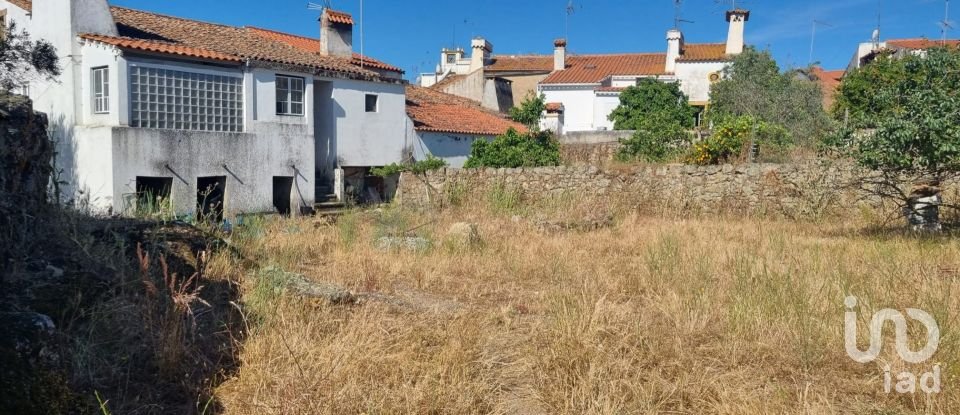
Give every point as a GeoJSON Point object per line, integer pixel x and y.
{"type": "Point", "coordinates": [678, 14]}
{"type": "Point", "coordinates": [732, 3]}
{"type": "Point", "coordinates": [321, 7]}
{"type": "Point", "coordinates": [568, 11]}
{"type": "Point", "coordinates": [946, 25]}
{"type": "Point", "coordinates": [813, 36]}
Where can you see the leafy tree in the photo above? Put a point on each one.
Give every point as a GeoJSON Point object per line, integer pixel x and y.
{"type": "Point", "coordinates": [755, 86]}
{"type": "Point", "coordinates": [22, 59]}
{"type": "Point", "coordinates": [912, 132]}
{"type": "Point", "coordinates": [857, 99]}
{"type": "Point", "coordinates": [530, 111]}
{"type": "Point", "coordinates": [661, 117]}
{"type": "Point", "coordinates": [729, 137]}
{"type": "Point", "coordinates": [515, 149]}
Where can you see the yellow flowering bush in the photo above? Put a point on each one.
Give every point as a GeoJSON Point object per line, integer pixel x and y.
{"type": "Point", "coordinates": [730, 137]}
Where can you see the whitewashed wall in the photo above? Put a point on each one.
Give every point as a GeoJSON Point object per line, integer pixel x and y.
{"type": "Point", "coordinates": [452, 148]}
{"type": "Point", "coordinates": [695, 78]}
{"type": "Point", "coordinates": [368, 139]}
{"type": "Point", "coordinates": [578, 104]}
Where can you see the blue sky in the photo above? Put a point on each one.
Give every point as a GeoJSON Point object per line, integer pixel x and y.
{"type": "Point", "coordinates": [410, 33]}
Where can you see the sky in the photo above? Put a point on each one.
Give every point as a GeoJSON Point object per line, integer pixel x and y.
{"type": "Point", "coordinates": [410, 33]}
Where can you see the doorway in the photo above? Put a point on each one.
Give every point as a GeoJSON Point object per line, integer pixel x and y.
{"type": "Point", "coordinates": [211, 193]}
{"type": "Point", "coordinates": [282, 193]}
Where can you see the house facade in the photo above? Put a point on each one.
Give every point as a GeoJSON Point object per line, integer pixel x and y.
{"type": "Point", "coordinates": [208, 118]}
{"type": "Point", "coordinates": [586, 88]}
{"type": "Point", "coordinates": [868, 51]}
{"type": "Point", "coordinates": [498, 82]}
{"type": "Point", "coordinates": [445, 126]}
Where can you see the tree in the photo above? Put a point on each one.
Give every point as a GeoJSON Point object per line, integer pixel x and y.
{"type": "Point", "coordinates": [515, 149]}
{"type": "Point", "coordinates": [530, 111]}
{"type": "Point", "coordinates": [911, 132]}
{"type": "Point", "coordinates": [755, 86]}
{"type": "Point", "coordinates": [661, 117]}
{"type": "Point", "coordinates": [22, 59]}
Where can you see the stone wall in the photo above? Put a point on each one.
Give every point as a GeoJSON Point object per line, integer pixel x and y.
{"type": "Point", "coordinates": [814, 188]}
{"type": "Point", "coordinates": [594, 137]}
{"type": "Point", "coordinates": [596, 154]}
{"type": "Point", "coordinates": [25, 152]}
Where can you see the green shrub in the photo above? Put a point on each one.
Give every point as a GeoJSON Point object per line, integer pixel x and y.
{"type": "Point", "coordinates": [514, 149]}
{"type": "Point", "coordinates": [417, 167]}
{"type": "Point", "coordinates": [661, 117]}
{"type": "Point", "coordinates": [732, 135]}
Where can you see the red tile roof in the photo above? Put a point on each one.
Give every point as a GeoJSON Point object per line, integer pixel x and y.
{"type": "Point", "coordinates": [704, 52]}
{"type": "Point", "coordinates": [161, 47]}
{"type": "Point", "coordinates": [23, 4]}
{"type": "Point", "coordinates": [339, 17]}
{"type": "Point", "coordinates": [829, 82]}
{"type": "Point", "coordinates": [921, 43]}
{"type": "Point", "coordinates": [554, 106]}
{"type": "Point", "coordinates": [229, 40]}
{"type": "Point", "coordinates": [313, 46]}
{"type": "Point", "coordinates": [523, 63]}
{"type": "Point", "coordinates": [593, 69]}
{"type": "Point", "coordinates": [435, 111]}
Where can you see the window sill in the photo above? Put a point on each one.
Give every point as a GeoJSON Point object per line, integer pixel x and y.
{"type": "Point", "coordinates": [290, 115]}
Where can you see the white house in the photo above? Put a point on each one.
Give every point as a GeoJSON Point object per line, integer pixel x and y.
{"type": "Point", "coordinates": [587, 87]}
{"type": "Point", "coordinates": [445, 126]}
{"type": "Point", "coordinates": [868, 51]}
{"type": "Point", "coordinates": [216, 119]}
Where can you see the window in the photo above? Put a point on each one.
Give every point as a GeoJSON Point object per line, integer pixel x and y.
{"type": "Point", "coordinates": [101, 90]}
{"type": "Point", "coordinates": [289, 95]}
{"type": "Point", "coordinates": [372, 103]}
{"type": "Point", "coordinates": [451, 58]}
{"type": "Point", "coordinates": [169, 99]}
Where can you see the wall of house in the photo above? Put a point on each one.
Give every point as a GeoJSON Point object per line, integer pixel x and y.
{"type": "Point", "coordinates": [470, 86]}
{"type": "Point", "coordinates": [695, 78]}
{"type": "Point", "coordinates": [15, 14]}
{"type": "Point", "coordinates": [248, 161]}
{"type": "Point", "coordinates": [452, 148]}
{"type": "Point", "coordinates": [265, 99]}
{"type": "Point", "coordinates": [603, 106]}
{"type": "Point", "coordinates": [578, 104]}
{"type": "Point", "coordinates": [367, 139]}
{"type": "Point", "coordinates": [524, 86]}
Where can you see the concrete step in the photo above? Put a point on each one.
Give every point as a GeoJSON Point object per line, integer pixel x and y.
{"type": "Point", "coordinates": [335, 204]}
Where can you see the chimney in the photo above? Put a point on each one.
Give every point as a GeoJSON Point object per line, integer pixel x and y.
{"type": "Point", "coordinates": [336, 34]}
{"type": "Point", "coordinates": [480, 53]}
{"type": "Point", "coordinates": [674, 49]}
{"type": "Point", "coordinates": [738, 19]}
{"type": "Point", "coordinates": [559, 54]}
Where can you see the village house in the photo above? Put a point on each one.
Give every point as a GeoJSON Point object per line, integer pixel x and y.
{"type": "Point", "coordinates": [498, 82]}
{"type": "Point", "coordinates": [445, 126]}
{"type": "Point", "coordinates": [209, 118]}
{"type": "Point", "coordinates": [868, 51]}
{"type": "Point", "coordinates": [583, 90]}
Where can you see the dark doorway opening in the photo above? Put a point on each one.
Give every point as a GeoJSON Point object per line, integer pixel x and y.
{"type": "Point", "coordinates": [153, 194]}
{"type": "Point", "coordinates": [282, 193]}
{"type": "Point", "coordinates": [210, 198]}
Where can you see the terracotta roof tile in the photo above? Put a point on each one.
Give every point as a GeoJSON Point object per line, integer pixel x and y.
{"type": "Point", "coordinates": [829, 82]}
{"type": "Point", "coordinates": [435, 111]}
{"type": "Point", "coordinates": [339, 17]}
{"type": "Point", "coordinates": [593, 69]}
{"type": "Point", "coordinates": [921, 43]}
{"type": "Point", "coordinates": [554, 107]}
{"type": "Point", "coordinates": [311, 45]}
{"type": "Point", "coordinates": [23, 4]}
{"type": "Point", "coordinates": [161, 47]}
{"type": "Point", "coordinates": [449, 79]}
{"type": "Point", "coordinates": [528, 63]}
{"type": "Point", "coordinates": [704, 52]}
{"type": "Point", "coordinates": [230, 40]}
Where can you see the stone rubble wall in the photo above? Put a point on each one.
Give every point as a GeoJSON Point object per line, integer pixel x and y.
{"type": "Point", "coordinates": [588, 154]}
{"type": "Point", "coordinates": [794, 190]}
{"type": "Point", "coordinates": [25, 152]}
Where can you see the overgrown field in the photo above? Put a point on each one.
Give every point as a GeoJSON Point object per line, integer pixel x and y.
{"type": "Point", "coordinates": [571, 308]}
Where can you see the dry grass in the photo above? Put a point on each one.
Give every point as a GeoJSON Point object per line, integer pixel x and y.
{"type": "Point", "coordinates": [651, 315]}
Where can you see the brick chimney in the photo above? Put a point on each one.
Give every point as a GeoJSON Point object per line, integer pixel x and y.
{"type": "Point", "coordinates": [559, 54]}
{"type": "Point", "coordinates": [336, 34]}
{"type": "Point", "coordinates": [738, 19]}
{"type": "Point", "coordinates": [480, 53]}
{"type": "Point", "coordinates": [674, 49]}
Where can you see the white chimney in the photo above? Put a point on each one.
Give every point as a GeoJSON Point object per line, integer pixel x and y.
{"type": "Point", "coordinates": [336, 34]}
{"type": "Point", "coordinates": [738, 19]}
{"type": "Point", "coordinates": [674, 49]}
{"type": "Point", "coordinates": [559, 54]}
{"type": "Point", "coordinates": [480, 53]}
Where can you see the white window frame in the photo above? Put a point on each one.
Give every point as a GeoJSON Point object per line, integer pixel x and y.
{"type": "Point", "coordinates": [376, 104]}
{"type": "Point", "coordinates": [286, 98]}
{"type": "Point", "coordinates": [101, 89]}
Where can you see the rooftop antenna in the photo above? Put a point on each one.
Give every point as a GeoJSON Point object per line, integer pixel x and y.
{"type": "Point", "coordinates": [678, 15]}
{"type": "Point", "coordinates": [732, 3]}
{"type": "Point", "coordinates": [568, 11]}
{"type": "Point", "coordinates": [813, 36]}
{"type": "Point", "coordinates": [946, 25]}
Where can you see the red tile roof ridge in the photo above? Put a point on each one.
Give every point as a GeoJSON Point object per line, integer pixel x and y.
{"type": "Point", "coordinates": [161, 47]}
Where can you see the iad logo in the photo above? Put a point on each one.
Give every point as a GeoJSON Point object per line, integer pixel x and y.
{"type": "Point", "coordinates": [906, 381]}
